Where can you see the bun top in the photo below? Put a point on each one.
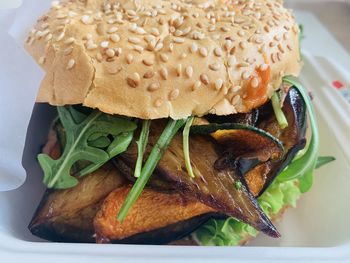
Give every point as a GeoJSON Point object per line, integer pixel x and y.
{"type": "Point", "coordinates": [164, 58]}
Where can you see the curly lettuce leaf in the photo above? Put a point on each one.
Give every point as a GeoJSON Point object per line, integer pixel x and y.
{"type": "Point", "coordinates": [231, 232]}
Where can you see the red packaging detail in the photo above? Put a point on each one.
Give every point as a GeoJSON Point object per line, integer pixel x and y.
{"type": "Point", "coordinates": [337, 84]}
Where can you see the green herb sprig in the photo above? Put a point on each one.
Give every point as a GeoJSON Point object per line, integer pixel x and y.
{"type": "Point", "coordinates": [141, 146]}
{"type": "Point", "coordinates": [303, 167]}
{"type": "Point", "coordinates": [186, 147]}
{"type": "Point", "coordinates": [276, 105]}
{"type": "Point", "coordinates": [152, 161]}
{"type": "Point", "coordinates": [86, 138]}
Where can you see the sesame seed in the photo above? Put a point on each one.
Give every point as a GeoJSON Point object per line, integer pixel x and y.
{"type": "Point", "coordinates": [218, 52]}
{"type": "Point", "coordinates": [140, 31]}
{"type": "Point", "coordinates": [245, 75]}
{"type": "Point", "coordinates": [115, 38]}
{"type": "Point", "coordinates": [171, 47]}
{"type": "Point", "coordinates": [194, 48]}
{"type": "Point", "coordinates": [289, 47]}
{"type": "Point", "coordinates": [234, 89]}
{"type": "Point", "coordinates": [240, 33]}
{"type": "Point", "coordinates": [204, 79]}
{"type": "Point", "coordinates": [112, 30]}
{"type": "Point", "coordinates": [72, 14]}
{"type": "Point", "coordinates": [255, 82]}
{"type": "Point", "coordinates": [60, 36]}
{"type": "Point", "coordinates": [263, 67]}
{"type": "Point", "coordinates": [277, 38]}
{"type": "Point", "coordinates": [134, 40]}
{"type": "Point", "coordinates": [134, 80]}
{"type": "Point", "coordinates": [196, 85]}
{"type": "Point", "coordinates": [148, 61]}
{"type": "Point", "coordinates": [45, 25]}
{"type": "Point", "coordinates": [41, 60]}
{"type": "Point", "coordinates": [178, 33]}
{"type": "Point", "coordinates": [110, 53]}
{"type": "Point", "coordinates": [203, 51]}
{"type": "Point", "coordinates": [263, 48]}
{"type": "Point", "coordinates": [214, 66]}
{"type": "Point", "coordinates": [179, 40]}
{"type": "Point", "coordinates": [225, 29]}
{"type": "Point", "coordinates": [138, 48]}
{"type": "Point", "coordinates": [232, 61]}
{"type": "Point", "coordinates": [243, 64]}
{"type": "Point", "coordinates": [242, 44]}
{"type": "Point", "coordinates": [174, 94]}
{"type": "Point", "coordinates": [179, 70]}
{"type": "Point", "coordinates": [99, 57]}
{"type": "Point", "coordinates": [186, 31]}
{"type": "Point", "coordinates": [153, 86]}
{"type": "Point", "coordinates": [228, 44]}
{"type": "Point", "coordinates": [104, 44]}
{"type": "Point", "coordinates": [68, 51]}
{"type": "Point", "coordinates": [154, 31]}
{"type": "Point", "coordinates": [218, 84]}
{"type": "Point", "coordinates": [88, 37]}
{"type": "Point", "coordinates": [280, 47]}
{"type": "Point", "coordinates": [235, 100]}
{"type": "Point", "coordinates": [149, 74]}
{"type": "Point", "coordinates": [90, 45]}
{"type": "Point", "coordinates": [211, 28]}
{"type": "Point", "coordinates": [189, 71]}
{"type": "Point", "coordinates": [69, 41]}
{"type": "Point", "coordinates": [61, 16]}
{"type": "Point", "coordinates": [70, 64]}
{"type": "Point", "coordinates": [149, 38]}
{"type": "Point", "coordinates": [267, 29]}
{"type": "Point", "coordinates": [279, 56]}
{"type": "Point", "coordinates": [131, 12]}
{"type": "Point", "coordinates": [164, 57]}
{"type": "Point", "coordinates": [159, 46]}
{"type": "Point", "coordinates": [129, 58]}
{"type": "Point", "coordinates": [48, 37]}
{"type": "Point", "coordinates": [87, 20]}
{"type": "Point", "coordinates": [273, 57]}
{"type": "Point", "coordinates": [164, 73]}
{"type": "Point", "coordinates": [158, 102]}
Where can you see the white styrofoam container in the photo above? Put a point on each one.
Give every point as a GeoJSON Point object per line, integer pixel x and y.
{"type": "Point", "coordinates": [317, 230]}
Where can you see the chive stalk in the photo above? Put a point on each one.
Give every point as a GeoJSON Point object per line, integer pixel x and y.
{"type": "Point", "coordinates": [152, 161]}
{"type": "Point", "coordinates": [276, 105]}
{"type": "Point", "coordinates": [186, 147]}
{"type": "Point", "coordinates": [141, 146]}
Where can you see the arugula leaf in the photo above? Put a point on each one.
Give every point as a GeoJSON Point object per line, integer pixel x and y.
{"type": "Point", "coordinates": [185, 142]}
{"type": "Point", "coordinates": [119, 144]}
{"type": "Point", "coordinates": [78, 129]}
{"type": "Point", "coordinates": [152, 161]}
{"type": "Point", "coordinates": [276, 105]}
{"type": "Point", "coordinates": [141, 146]}
{"type": "Point", "coordinates": [322, 160]}
{"type": "Point", "coordinates": [304, 165]}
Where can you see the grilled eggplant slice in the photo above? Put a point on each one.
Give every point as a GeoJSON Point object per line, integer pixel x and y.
{"type": "Point", "coordinates": [67, 215]}
{"type": "Point", "coordinates": [156, 217]}
{"type": "Point", "coordinates": [212, 187]}
{"type": "Point", "coordinates": [292, 137]}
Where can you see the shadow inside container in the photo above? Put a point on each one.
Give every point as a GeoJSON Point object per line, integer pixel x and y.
{"type": "Point", "coordinates": [20, 204]}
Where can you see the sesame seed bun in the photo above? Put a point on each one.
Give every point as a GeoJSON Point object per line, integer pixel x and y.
{"type": "Point", "coordinates": [154, 59]}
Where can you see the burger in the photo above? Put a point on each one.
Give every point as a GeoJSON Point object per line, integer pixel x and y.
{"type": "Point", "coordinates": [176, 120]}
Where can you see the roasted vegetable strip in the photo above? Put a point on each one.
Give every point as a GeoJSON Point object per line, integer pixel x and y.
{"type": "Point", "coordinates": [152, 211]}
{"type": "Point", "coordinates": [212, 187]}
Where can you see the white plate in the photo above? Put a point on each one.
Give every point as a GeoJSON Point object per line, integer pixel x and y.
{"type": "Point", "coordinates": [317, 230]}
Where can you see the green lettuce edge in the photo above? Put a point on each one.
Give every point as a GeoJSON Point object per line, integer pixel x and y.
{"type": "Point", "coordinates": [231, 232]}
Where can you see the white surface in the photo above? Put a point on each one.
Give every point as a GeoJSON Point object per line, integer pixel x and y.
{"type": "Point", "coordinates": [321, 219]}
